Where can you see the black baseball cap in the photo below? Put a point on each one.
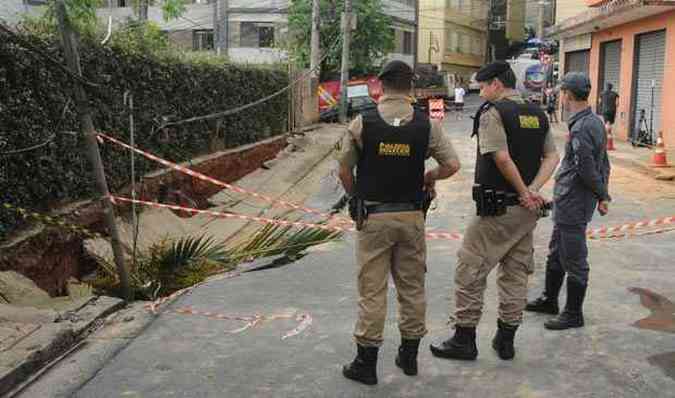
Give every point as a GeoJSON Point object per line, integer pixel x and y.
{"type": "Point", "coordinates": [492, 70]}
{"type": "Point", "coordinates": [396, 70]}
{"type": "Point", "coordinates": [576, 82]}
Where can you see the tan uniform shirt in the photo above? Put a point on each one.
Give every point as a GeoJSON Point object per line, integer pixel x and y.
{"type": "Point", "coordinates": [397, 109]}
{"type": "Point", "coordinates": [492, 133]}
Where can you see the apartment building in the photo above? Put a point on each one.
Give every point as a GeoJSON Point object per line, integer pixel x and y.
{"type": "Point", "coordinates": [453, 35]}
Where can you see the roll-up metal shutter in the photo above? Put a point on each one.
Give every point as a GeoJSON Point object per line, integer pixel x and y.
{"type": "Point", "coordinates": [610, 66]}
{"type": "Point", "coordinates": [648, 79]}
{"type": "Point", "coordinates": [577, 61]}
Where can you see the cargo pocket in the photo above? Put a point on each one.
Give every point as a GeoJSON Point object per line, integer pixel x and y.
{"type": "Point", "coordinates": [469, 268]}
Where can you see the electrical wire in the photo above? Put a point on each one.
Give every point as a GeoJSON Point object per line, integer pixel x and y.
{"type": "Point", "coordinates": [42, 54]}
{"type": "Point", "coordinates": [258, 102]}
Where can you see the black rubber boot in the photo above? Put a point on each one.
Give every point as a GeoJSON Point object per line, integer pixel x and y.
{"type": "Point", "coordinates": [572, 316]}
{"type": "Point", "coordinates": [407, 356]}
{"type": "Point", "coordinates": [503, 341]}
{"type": "Point", "coordinates": [461, 346]}
{"type": "Point", "coordinates": [548, 302]}
{"type": "Point", "coordinates": [364, 367]}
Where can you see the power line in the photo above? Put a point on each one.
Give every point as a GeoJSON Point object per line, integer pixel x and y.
{"type": "Point", "coordinates": [42, 54]}
{"type": "Point", "coordinates": [254, 103]}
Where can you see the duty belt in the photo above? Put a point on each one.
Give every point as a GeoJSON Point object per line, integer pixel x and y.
{"type": "Point", "coordinates": [393, 207]}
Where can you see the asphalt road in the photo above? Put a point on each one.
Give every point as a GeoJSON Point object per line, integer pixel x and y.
{"type": "Point", "coordinates": [194, 356]}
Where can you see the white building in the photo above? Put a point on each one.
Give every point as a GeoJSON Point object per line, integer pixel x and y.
{"type": "Point", "coordinates": [255, 30]}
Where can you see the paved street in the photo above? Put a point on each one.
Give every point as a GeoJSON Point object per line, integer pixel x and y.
{"type": "Point", "coordinates": [194, 356]}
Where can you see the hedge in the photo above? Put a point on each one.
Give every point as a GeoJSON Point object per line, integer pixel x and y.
{"type": "Point", "coordinates": [36, 104]}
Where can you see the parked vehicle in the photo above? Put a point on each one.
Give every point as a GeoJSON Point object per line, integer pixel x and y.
{"type": "Point", "coordinates": [530, 78]}
{"type": "Point", "coordinates": [474, 86]}
{"type": "Point", "coordinates": [430, 84]}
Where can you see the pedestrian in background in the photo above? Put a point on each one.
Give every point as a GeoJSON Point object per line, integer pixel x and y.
{"type": "Point", "coordinates": [609, 101]}
{"type": "Point", "coordinates": [516, 157]}
{"type": "Point", "coordinates": [551, 104]}
{"type": "Point", "coordinates": [460, 92]}
{"type": "Point", "coordinates": [390, 145]}
{"type": "Point", "coordinates": [581, 185]}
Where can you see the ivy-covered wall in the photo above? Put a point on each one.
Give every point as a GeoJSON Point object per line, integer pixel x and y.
{"type": "Point", "coordinates": [36, 103]}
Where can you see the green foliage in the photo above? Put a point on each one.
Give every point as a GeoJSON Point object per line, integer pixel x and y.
{"type": "Point", "coordinates": [37, 104]}
{"type": "Point", "coordinates": [372, 40]}
{"type": "Point", "coordinates": [168, 266]}
{"type": "Point", "coordinates": [274, 240]}
{"type": "Point", "coordinates": [140, 38]}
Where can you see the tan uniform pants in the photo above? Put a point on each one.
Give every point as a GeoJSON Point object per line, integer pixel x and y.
{"type": "Point", "coordinates": [507, 241]}
{"type": "Point", "coordinates": [391, 243]}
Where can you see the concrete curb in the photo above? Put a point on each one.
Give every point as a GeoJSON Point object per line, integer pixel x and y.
{"type": "Point", "coordinates": [51, 341]}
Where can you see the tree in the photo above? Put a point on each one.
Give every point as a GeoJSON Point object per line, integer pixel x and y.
{"type": "Point", "coordinates": [83, 12]}
{"type": "Point", "coordinates": [371, 41]}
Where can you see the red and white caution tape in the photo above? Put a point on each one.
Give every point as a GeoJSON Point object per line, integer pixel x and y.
{"type": "Point", "coordinates": [262, 220]}
{"type": "Point", "coordinates": [217, 214]}
{"type": "Point", "coordinates": [204, 177]}
{"type": "Point", "coordinates": [251, 321]}
{"type": "Point", "coordinates": [604, 232]}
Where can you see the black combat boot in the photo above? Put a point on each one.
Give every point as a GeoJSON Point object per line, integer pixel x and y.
{"type": "Point", "coordinates": [548, 302]}
{"type": "Point", "coordinates": [364, 367]}
{"type": "Point", "coordinates": [572, 316]}
{"type": "Point", "coordinates": [461, 346]}
{"type": "Point", "coordinates": [503, 341]}
{"type": "Point", "coordinates": [407, 356]}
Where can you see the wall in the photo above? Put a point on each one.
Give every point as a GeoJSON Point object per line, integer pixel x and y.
{"type": "Point", "coordinates": [627, 34]}
{"type": "Point", "coordinates": [50, 257]}
{"type": "Point", "coordinates": [568, 8]}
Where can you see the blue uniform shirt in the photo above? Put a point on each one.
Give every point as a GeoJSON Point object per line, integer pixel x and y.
{"type": "Point", "coordinates": [583, 176]}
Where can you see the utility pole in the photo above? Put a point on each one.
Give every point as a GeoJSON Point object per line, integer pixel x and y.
{"type": "Point", "coordinates": [417, 35]}
{"type": "Point", "coordinates": [225, 27]}
{"type": "Point", "coordinates": [216, 27]}
{"type": "Point", "coordinates": [488, 42]}
{"type": "Point", "coordinates": [540, 19]}
{"type": "Point", "coordinates": [91, 145]}
{"type": "Point", "coordinates": [315, 46]}
{"type": "Point", "coordinates": [346, 43]}
{"type": "Point", "coordinates": [143, 10]}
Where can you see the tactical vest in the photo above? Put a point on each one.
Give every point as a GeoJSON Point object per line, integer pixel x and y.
{"type": "Point", "coordinates": [526, 127]}
{"type": "Point", "coordinates": [391, 164]}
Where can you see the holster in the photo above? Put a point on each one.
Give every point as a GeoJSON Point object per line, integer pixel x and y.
{"type": "Point", "coordinates": [426, 203]}
{"type": "Point", "coordinates": [357, 212]}
{"type": "Point", "coordinates": [491, 202]}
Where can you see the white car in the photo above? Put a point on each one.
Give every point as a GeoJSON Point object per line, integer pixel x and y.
{"type": "Point", "coordinates": [473, 84]}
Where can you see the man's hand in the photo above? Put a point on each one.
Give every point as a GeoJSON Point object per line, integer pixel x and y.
{"type": "Point", "coordinates": [532, 200]}
{"type": "Point", "coordinates": [430, 181]}
{"type": "Point", "coordinates": [603, 207]}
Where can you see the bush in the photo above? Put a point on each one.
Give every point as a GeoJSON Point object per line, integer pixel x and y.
{"type": "Point", "coordinates": [36, 104]}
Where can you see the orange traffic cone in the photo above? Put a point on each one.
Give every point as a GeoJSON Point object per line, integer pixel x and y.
{"type": "Point", "coordinates": [659, 156]}
{"type": "Point", "coordinates": [610, 141]}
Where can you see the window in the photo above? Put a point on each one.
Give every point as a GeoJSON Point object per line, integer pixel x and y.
{"type": "Point", "coordinates": [256, 35]}
{"type": "Point", "coordinates": [35, 2]}
{"type": "Point", "coordinates": [407, 43]}
{"type": "Point", "coordinates": [202, 40]}
{"type": "Point", "coordinates": [266, 36]}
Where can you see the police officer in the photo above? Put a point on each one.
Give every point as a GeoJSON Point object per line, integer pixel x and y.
{"type": "Point", "coordinates": [388, 146]}
{"type": "Point", "coordinates": [581, 185]}
{"type": "Point", "coordinates": [516, 156]}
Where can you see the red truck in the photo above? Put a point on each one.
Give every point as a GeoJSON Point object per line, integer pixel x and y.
{"type": "Point", "coordinates": [430, 85]}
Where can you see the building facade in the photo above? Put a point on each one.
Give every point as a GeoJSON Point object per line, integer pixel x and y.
{"type": "Point", "coordinates": [631, 44]}
{"type": "Point", "coordinates": [453, 35]}
{"type": "Point", "coordinates": [256, 32]}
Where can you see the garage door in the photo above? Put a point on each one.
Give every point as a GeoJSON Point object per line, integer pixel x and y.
{"type": "Point", "coordinates": [648, 79]}
{"type": "Point", "coordinates": [610, 65]}
{"type": "Point", "coordinates": [577, 61]}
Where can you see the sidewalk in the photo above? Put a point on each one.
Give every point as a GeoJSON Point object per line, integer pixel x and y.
{"type": "Point", "coordinates": [637, 158]}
